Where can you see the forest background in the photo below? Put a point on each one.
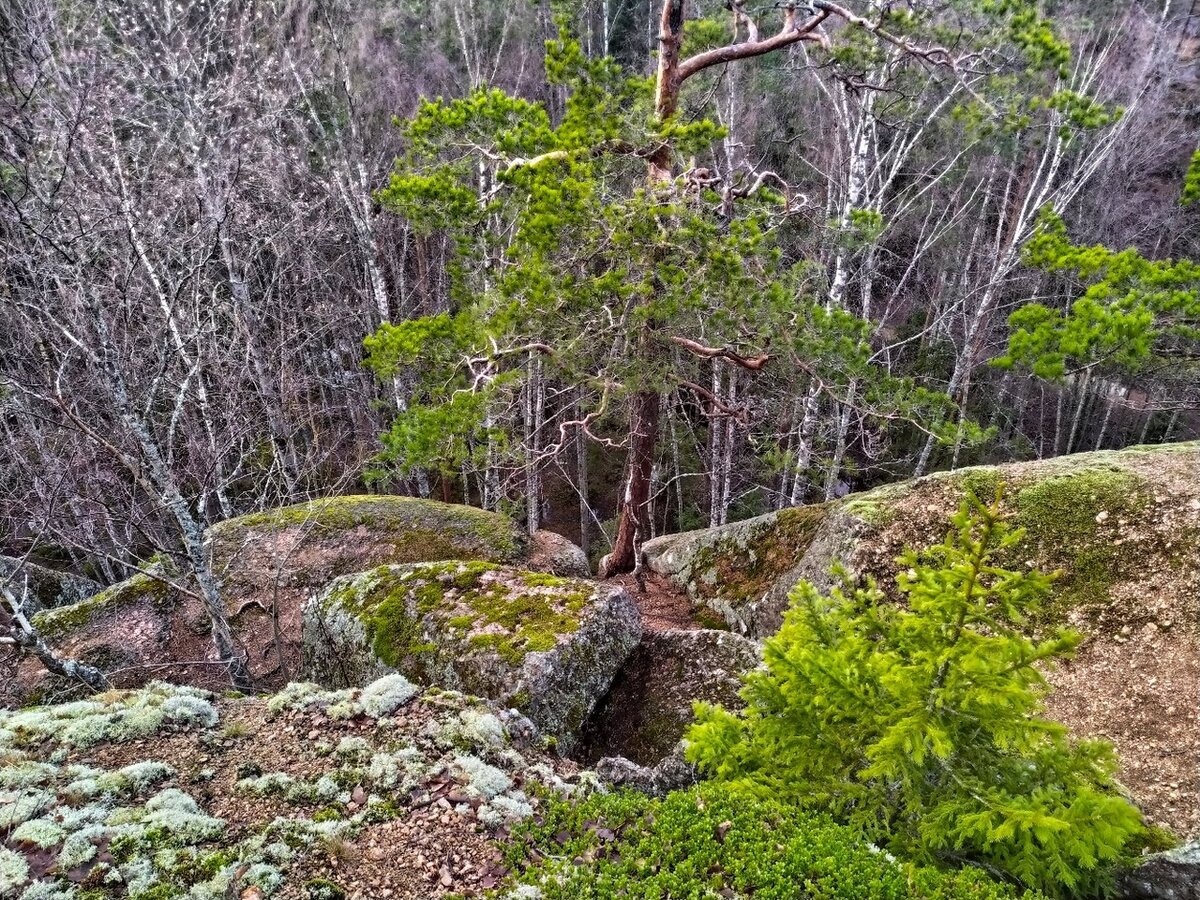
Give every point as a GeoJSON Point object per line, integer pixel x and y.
{"type": "Point", "coordinates": [221, 285]}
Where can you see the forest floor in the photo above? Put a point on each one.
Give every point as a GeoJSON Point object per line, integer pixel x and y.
{"type": "Point", "coordinates": [419, 808]}
{"type": "Point", "coordinates": [663, 606]}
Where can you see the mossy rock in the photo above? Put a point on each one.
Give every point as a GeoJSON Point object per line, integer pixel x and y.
{"type": "Point", "coordinates": [61, 621]}
{"type": "Point", "coordinates": [732, 570]}
{"type": "Point", "coordinates": [1101, 520]}
{"type": "Point", "coordinates": [406, 529]}
{"type": "Point", "coordinates": [281, 557]}
{"type": "Point", "coordinates": [545, 645]}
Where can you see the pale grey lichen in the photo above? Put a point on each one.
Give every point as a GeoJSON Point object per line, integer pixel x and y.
{"type": "Point", "coordinates": [14, 872]}
{"type": "Point", "coordinates": [480, 779]}
{"type": "Point", "coordinates": [505, 809]}
{"type": "Point", "coordinates": [20, 806]}
{"type": "Point", "coordinates": [327, 788]}
{"type": "Point", "coordinates": [141, 776]}
{"type": "Point", "coordinates": [266, 785]}
{"type": "Point", "coordinates": [49, 890]}
{"type": "Point", "coordinates": [176, 813]}
{"type": "Point", "coordinates": [80, 847]}
{"type": "Point", "coordinates": [385, 695]}
{"type": "Point", "coordinates": [353, 749]}
{"type": "Point", "coordinates": [264, 876]}
{"type": "Point", "coordinates": [190, 710]}
{"type": "Point", "coordinates": [41, 833]}
{"type": "Point", "coordinates": [139, 875]}
{"type": "Point", "coordinates": [125, 717]}
{"type": "Point", "coordinates": [480, 729]}
{"type": "Point", "coordinates": [296, 696]}
{"type": "Point", "coordinates": [26, 774]}
{"type": "Point", "coordinates": [73, 819]}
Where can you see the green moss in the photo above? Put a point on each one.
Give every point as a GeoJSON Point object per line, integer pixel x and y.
{"type": "Point", "coordinates": [1072, 523]}
{"type": "Point", "coordinates": [418, 529]}
{"type": "Point", "coordinates": [323, 889]}
{"type": "Point", "coordinates": [877, 507]}
{"type": "Point", "coordinates": [982, 483]}
{"type": "Point", "coordinates": [710, 619]}
{"type": "Point", "coordinates": [329, 814]}
{"type": "Point", "coordinates": [54, 623]}
{"type": "Point", "coordinates": [512, 614]}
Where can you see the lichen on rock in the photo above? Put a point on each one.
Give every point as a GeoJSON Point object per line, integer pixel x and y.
{"type": "Point", "coordinates": [546, 645]}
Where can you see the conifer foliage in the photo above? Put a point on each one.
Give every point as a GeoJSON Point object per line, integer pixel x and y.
{"type": "Point", "coordinates": [922, 722]}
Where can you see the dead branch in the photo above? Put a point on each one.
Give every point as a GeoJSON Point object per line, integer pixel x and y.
{"type": "Point", "coordinates": [716, 408]}
{"type": "Point", "coordinates": [751, 363]}
{"type": "Point", "coordinates": [791, 33]}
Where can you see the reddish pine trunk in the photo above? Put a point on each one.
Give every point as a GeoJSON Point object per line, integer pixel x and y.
{"type": "Point", "coordinates": [634, 524]}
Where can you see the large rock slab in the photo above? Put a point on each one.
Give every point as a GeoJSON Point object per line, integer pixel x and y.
{"type": "Point", "coordinates": [42, 588]}
{"type": "Point", "coordinates": [544, 645]}
{"type": "Point", "coordinates": [269, 564]}
{"type": "Point", "coordinates": [645, 713]}
{"type": "Point", "coordinates": [1174, 875]}
{"type": "Point", "coordinates": [1121, 528]}
{"type": "Point", "coordinates": [734, 572]}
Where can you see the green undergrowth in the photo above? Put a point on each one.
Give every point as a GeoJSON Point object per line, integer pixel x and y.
{"type": "Point", "coordinates": [709, 842]}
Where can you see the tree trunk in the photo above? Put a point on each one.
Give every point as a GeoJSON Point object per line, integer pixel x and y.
{"type": "Point", "coordinates": [804, 445]}
{"type": "Point", "coordinates": [581, 486]}
{"type": "Point", "coordinates": [634, 523]}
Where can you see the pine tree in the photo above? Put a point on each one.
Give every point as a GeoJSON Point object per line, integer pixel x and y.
{"type": "Point", "coordinates": [922, 722]}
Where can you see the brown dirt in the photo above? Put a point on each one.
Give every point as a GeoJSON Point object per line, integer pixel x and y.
{"type": "Point", "coordinates": [664, 606]}
{"type": "Point", "coordinates": [1141, 691]}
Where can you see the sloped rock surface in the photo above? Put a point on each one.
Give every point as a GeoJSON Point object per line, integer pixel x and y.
{"type": "Point", "coordinates": [649, 706]}
{"type": "Point", "coordinates": [269, 564]}
{"type": "Point", "coordinates": [547, 646]}
{"type": "Point", "coordinates": [1121, 528]}
{"type": "Point", "coordinates": [1174, 875]}
{"type": "Point", "coordinates": [553, 553]}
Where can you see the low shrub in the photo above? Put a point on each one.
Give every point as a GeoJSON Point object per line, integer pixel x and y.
{"type": "Point", "coordinates": [711, 841]}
